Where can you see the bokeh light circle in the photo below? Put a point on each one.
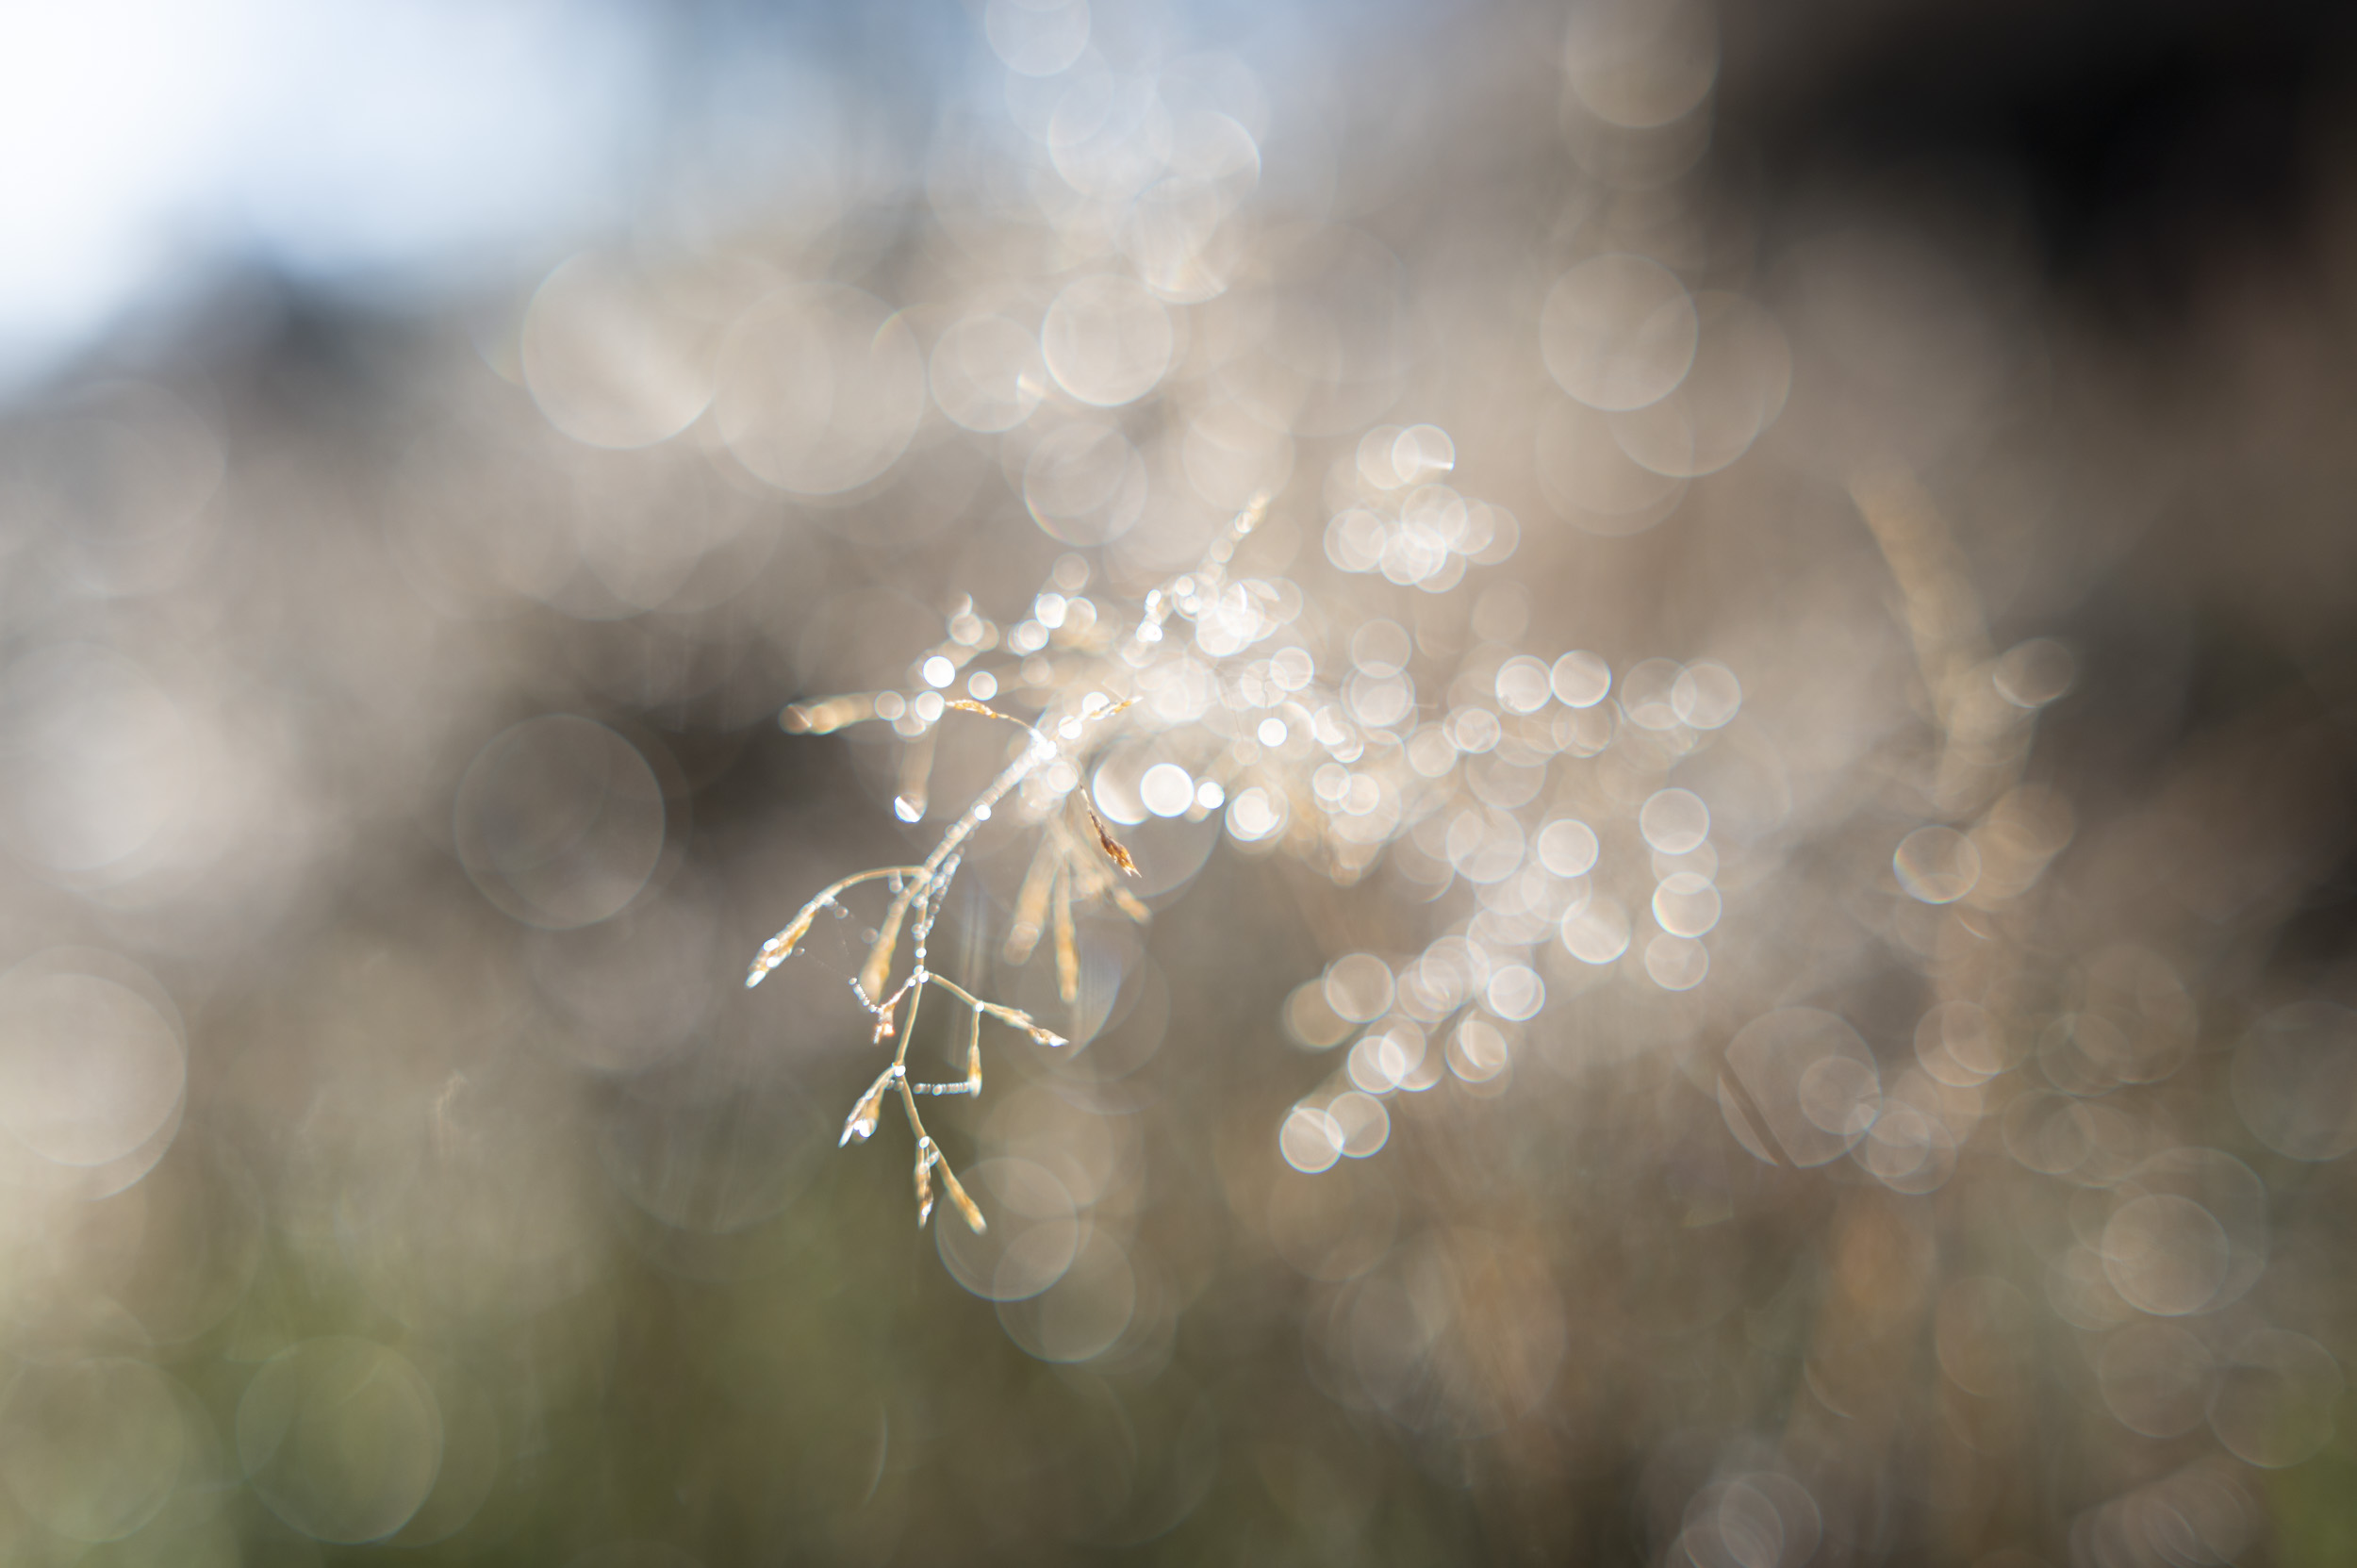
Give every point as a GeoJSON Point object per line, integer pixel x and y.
{"type": "Point", "coordinates": [1809, 1076]}
{"type": "Point", "coordinates": [89, 1069]}
{"type": "Point", "coordinates": [1107, 339]}
{"type": "Point", "coordinates": [342, 1437]}
{"type": "Point", "coordinates": [1618, 331]}
{"type": "Point", "coordinates": [820, 387]}
{"type": "Point", "coordinates": [609, 363]}
{"type": "Point", "coordinates": [2165, 1254]}
{"type": "Point", "coordinates": [559, 821]}
{"type": "Point", "coordinates": [1937, 864]}
{"type": "Point", "coordinates": [1034, 1231]}
{"type": "Point", "coordinates": [93, 1449]}
{"type": "Point", "coordinates": [2276, 1399]}
{"type": "Point", "coordinates": [1674, 821]}
{"type": "Point", "coordinates": [987, 374]}
{"type": "Point", "coordinates": [1084, 483]}
{"type": "Point", "coordinates": [2295, 1080]}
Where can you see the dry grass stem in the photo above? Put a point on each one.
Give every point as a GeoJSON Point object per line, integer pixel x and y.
{"type": "Point", "coordinates": [1060, 871]}
{"type": "Point", "coordinates": [1067, 949]}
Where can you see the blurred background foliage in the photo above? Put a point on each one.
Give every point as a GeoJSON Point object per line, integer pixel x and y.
{"type": "Point", "coordinates": [1750, 873]}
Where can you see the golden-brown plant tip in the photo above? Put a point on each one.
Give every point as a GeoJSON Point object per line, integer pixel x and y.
{"type": "Point", "coordinates": [1114, 850]}
{"type": "Point", "coordinates": [965, 1205]}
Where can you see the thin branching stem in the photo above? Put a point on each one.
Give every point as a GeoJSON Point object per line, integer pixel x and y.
{"type": "Point", "coordinates": [1059, 873]}
{"type": "Point", "coordinates": [781, 946]}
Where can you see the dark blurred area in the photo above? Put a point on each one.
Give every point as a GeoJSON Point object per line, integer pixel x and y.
{"type": "Point", "coordinates": [1722, 637]}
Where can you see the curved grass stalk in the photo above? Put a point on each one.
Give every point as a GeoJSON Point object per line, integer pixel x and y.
{"type": "Point", "coordinates": [1062, 872]}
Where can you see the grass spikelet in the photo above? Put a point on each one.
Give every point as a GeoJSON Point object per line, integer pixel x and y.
{"type": "Point", "coordinates": [1067, 951]}
{"type": "Point", "coordinates": [1113, 848]}
{"type": "Point", "coordinates": [916, 772]}
{"type": "Point", "coordinates": [926, 1157]}
{"type": "Point", "coordinates": [966, 1208]}
{"type": "Point", "coordinates": [1062, 872]}
{"type": "Point", "coordinates": [781, 946]}
{"type": "Point", "coordinates": [967, 704]}
{"type": "Point", "coordinates": [878, 968]}
{"type": "Point", "coordinates": [1031, 903]}
{"type": "Point", "coordinates": [820, 719]}
{"type": "Point", "coordinates": [1024, 1021]}
{"type": "Point", "coordinates": [861, 1125]}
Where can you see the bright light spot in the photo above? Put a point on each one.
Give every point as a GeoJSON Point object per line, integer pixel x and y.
{"type": "Point", "coordinates": [1358, 987]}
{"type": "Point", "coordinates": [1422, 452]}
{"type": "Point", "coordinates": [929, 706]}
{"type": "Point", "coordinates": [983, 686]}
{"type": "Point", "coordinates": [1937, 864]}
{"type": "Point", "coordinates": [1272, 732]}
{"type": "Point", "coordinates": [1705, 695]}
{"type": "Point", "coordinates": [1477, 1052]}
{"type": "Point", "coordinates": [1516, 993]}
{"type": "Point", "coordinates": [1166, 790]}
{"type": "Point", "coordinates": [906, 809]}
{"type": "Point", "coordinates": [1311, 1140]}
{"type": "Point", "coordinates": [939, 672]}
{"type": "Point", "coordinates": [1380, 1062]}
{"type": "Point", "coordinates": [1674, 821]}
{"type": "Point", "coordinates": [1380, 701]}
{"type": "Point", "coordinates": [1676, 963]}
{"type": "Point", "coordinates": [1310, 1022]}
{"type": "Point", "coordinates": [1255, 814]}
{"type": "Point", "coordinates": [1567, 846]}
{"type": "Point", "coordinates": [1291, 668]}
{"type": "Point", "coordinates": [1209, 796]}
{"type": "Point", "coordinates": [1686, 905]}
{"type": "Point", "coordinates": [1473, 730]}
{"type": "Point", "coordinates": [1365, 1127]}
{"type": "Point", "coordinates": [1523, 684]}
{"type": "Point", "coordinates": [1580, 679]}
{"type": "Point", "coordinates": [1597, 931]}
{"type": "Point", "coordinates": [1431, 751]}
